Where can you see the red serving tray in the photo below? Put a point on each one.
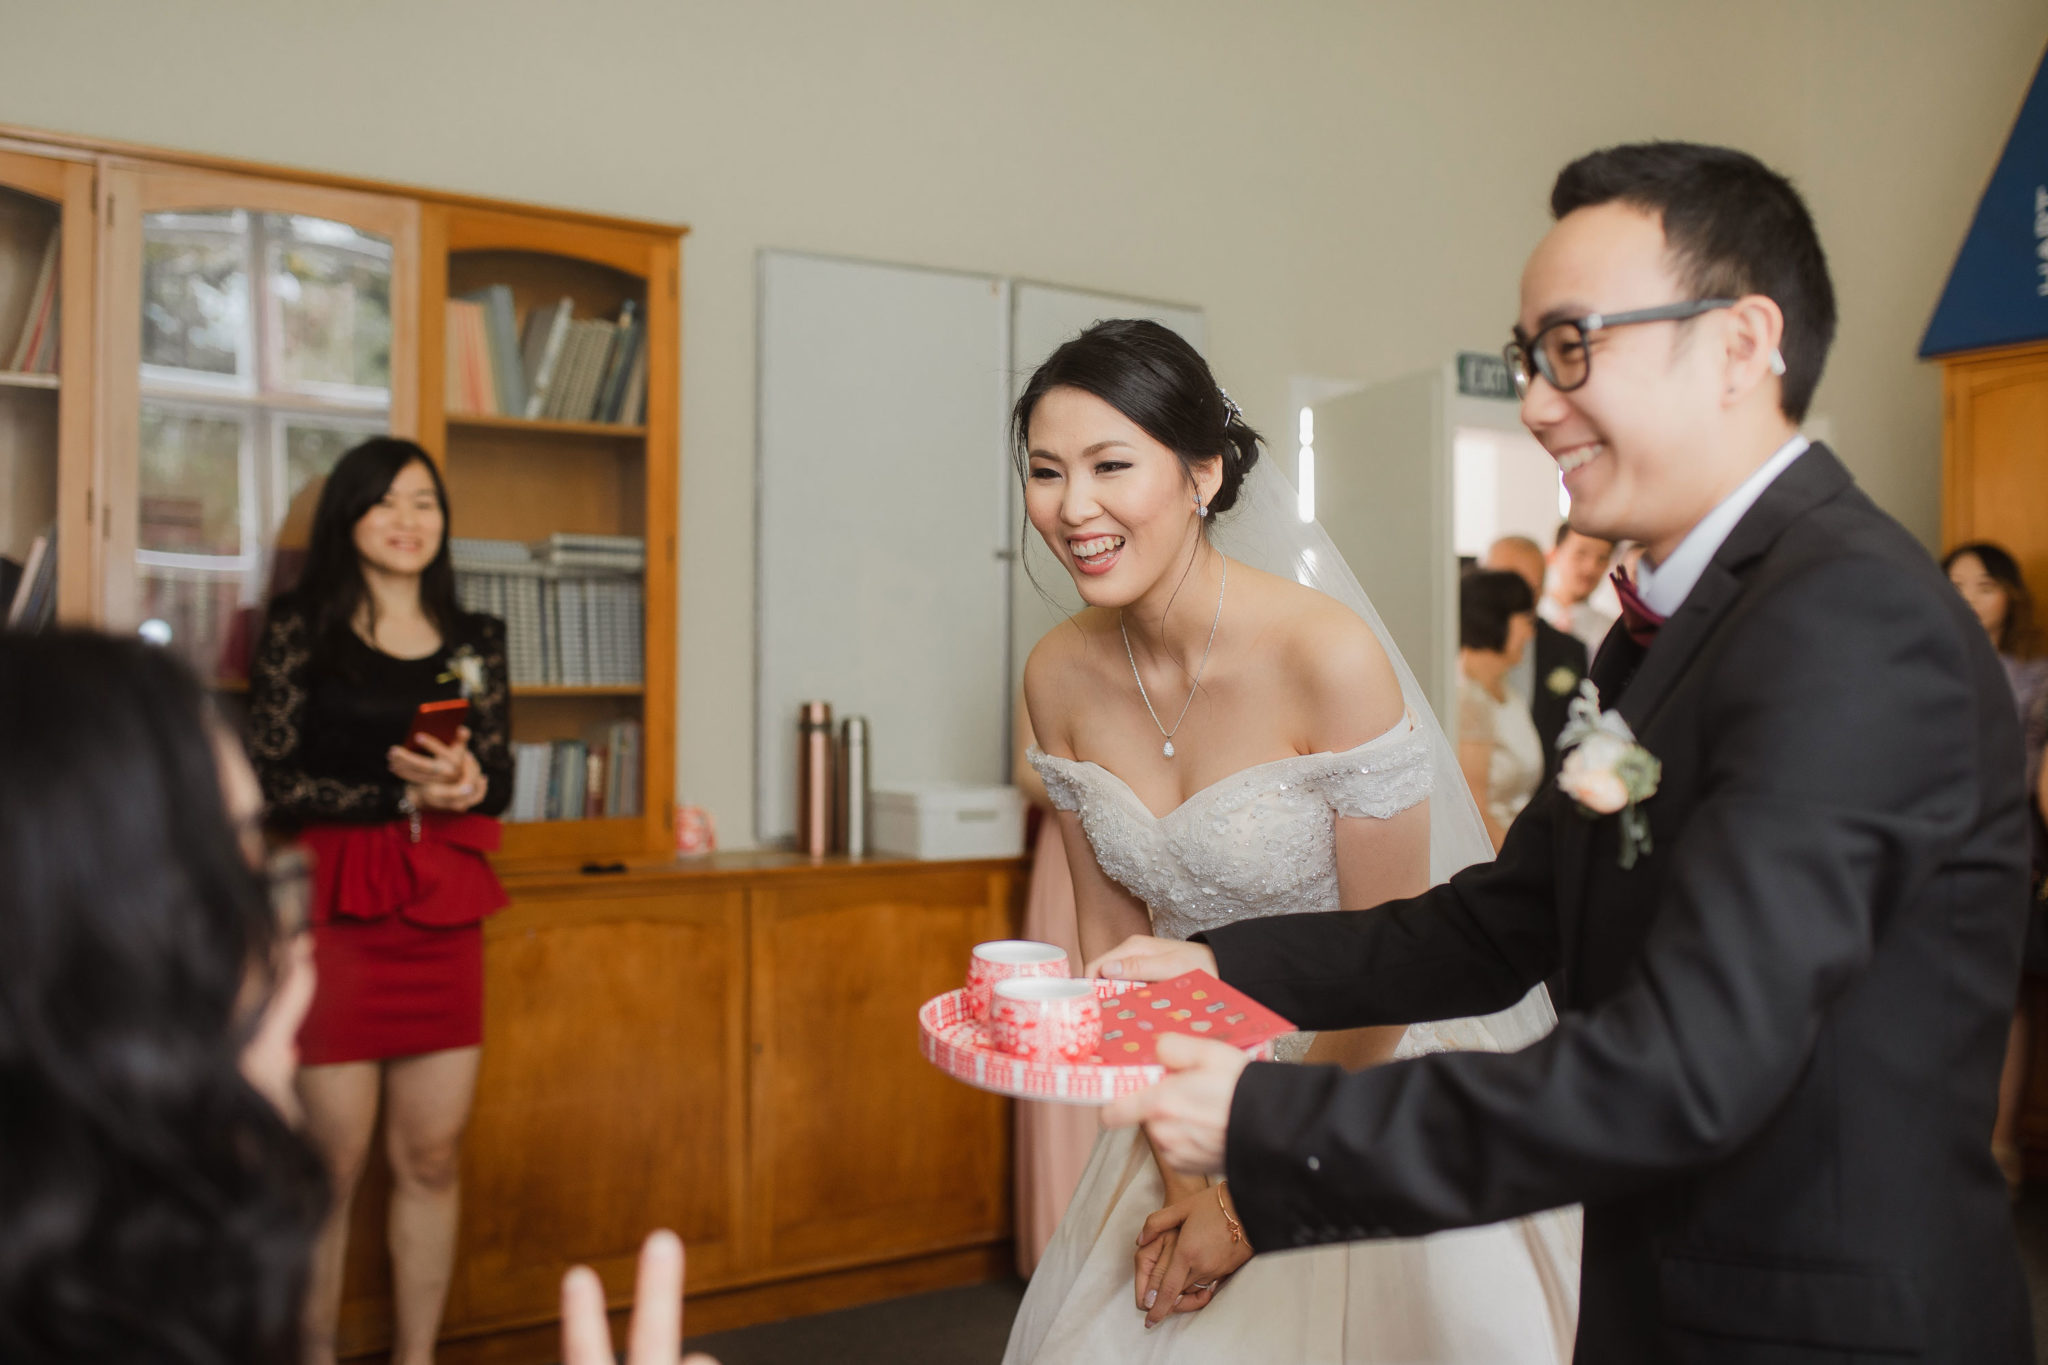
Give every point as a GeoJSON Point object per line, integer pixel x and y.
{"type": "Point", "coordinates": [1134, 1014]}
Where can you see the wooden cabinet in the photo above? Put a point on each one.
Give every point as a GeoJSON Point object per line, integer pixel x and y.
{"type": "Point", "coordinates": [1995, 455]}
{"type": "Point", "coordinates": [48, 244]}
{"type": "Point", "coordinates": [1995, 487]}
{"type": "Point", "coordinates": [862, 1151]}
{"type": "Point", "coordinates": [729, 1050]}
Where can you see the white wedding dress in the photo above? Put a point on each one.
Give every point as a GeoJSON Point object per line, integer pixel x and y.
{"type": "Point", "coordinates": [1261, 842]}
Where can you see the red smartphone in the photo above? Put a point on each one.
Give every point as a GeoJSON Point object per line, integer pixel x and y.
{"type": "Point", "coordinates": [441, 719]}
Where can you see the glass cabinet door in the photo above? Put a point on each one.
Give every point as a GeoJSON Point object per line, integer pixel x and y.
{"type": "Point", "coordinates": [274, 330]}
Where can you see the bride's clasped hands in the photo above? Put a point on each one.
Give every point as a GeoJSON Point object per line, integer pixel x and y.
{"type": "Point", "coordinates": [1188, 1248]}
{"type": "Point", "coordinates": [1186, 1252]}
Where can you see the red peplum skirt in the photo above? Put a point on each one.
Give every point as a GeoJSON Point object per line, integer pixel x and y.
{"type": "Point", "coordinates": [398, 937]}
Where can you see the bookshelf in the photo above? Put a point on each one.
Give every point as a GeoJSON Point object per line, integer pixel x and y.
{"type": "Point", "coordinates": [47, 245]}
{"type": "Point", "coordinates": [518, 479]}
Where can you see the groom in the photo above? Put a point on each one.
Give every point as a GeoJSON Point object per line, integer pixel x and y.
{"type": "Point", "coordinates": [1787, 970]}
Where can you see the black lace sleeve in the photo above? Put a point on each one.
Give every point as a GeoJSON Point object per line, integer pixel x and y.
{"type": "Point", "coordinates": [490, 717]}
{"type": "Point", "coordinates": [277, 711]}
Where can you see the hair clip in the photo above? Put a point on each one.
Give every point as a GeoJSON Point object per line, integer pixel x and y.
{"type": "Point", "coordinates": [1231, 411]}
{"type": "Point", "coordinates": [1777, 361]}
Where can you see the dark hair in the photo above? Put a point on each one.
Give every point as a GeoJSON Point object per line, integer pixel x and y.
{"type": "Point", "coordinates": [156, 1207]}
{"type": "Point", "coordinates": [331, 589]}
{"type": "Point", "coordinates": [1487, 600]}
{"type": "Point", "coordinates": [1566, 532]}
{"type": "Point", "coordinates": [1734, 227]}
{"type": "Point", "coordinates": [1151, 375]}
{"type": "Point", "coordinates": [2020, 636]}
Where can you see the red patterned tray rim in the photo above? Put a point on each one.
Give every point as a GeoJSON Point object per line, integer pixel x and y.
{"type": "Point", "coordinates": [958, 1046]}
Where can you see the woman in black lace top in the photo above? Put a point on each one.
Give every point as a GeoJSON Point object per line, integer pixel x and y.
{"type": "Point", "coordinates": [399, 838]}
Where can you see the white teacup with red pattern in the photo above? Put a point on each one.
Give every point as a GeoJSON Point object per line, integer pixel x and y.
{"type": "Point", "coordinates": [1046, 1019]}
{"type": "Point", "coordinates": [1003, 960]}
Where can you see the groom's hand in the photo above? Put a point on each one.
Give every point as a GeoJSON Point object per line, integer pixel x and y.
{"type": "Point", "coordinates": [1141, 958]}
{"type": "Point", "coordinates": [1187, 1113]}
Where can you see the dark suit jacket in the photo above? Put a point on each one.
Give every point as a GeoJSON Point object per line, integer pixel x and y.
{"type": "Point", "coordinates": [1557, 653]}
{"type": "Point", "coordinates": [1773, 1082]}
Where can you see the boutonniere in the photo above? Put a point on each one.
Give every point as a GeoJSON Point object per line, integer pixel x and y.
{"type": "Point", "coordinates": [1561, 681]}
{"type": "Point", "coordinates": [1606, 772]}
{"type": "Point", "coordinates": [466, 668]}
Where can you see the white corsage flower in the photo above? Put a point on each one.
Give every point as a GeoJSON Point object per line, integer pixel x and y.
{"type": "Point", "coordinates": [465, 668]}
{"type": "Point", "coordinates": [1606, 772]}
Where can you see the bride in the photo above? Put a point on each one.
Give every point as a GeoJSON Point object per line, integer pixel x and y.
{"type": "Point", "coordinates": [1228, 743]}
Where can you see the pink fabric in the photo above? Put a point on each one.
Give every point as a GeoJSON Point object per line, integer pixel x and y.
{"type": "Point", "coordinates": [1053, 1140]}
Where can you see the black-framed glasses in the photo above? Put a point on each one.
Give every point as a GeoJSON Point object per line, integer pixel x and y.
{"type": "Point", "coordinates": [1559, 351]}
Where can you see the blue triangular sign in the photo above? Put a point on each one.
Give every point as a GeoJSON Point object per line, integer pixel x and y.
{"type": "Point", "coordinates": [1997, 294]}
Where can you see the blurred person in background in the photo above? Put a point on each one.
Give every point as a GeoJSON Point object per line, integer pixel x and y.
{"type": "Point", "coordinates": [1989, 579]}
{"type": "Point", "coordinates": [1548, 675]}
{"type": "Point", "coordinates": [1577, 567]}
{"type": "Point", "coordinates": [1498, 748]}
{"type": "Point", "coordinates": [399, 836]}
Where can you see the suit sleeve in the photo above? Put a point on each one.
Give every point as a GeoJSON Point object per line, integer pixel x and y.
{"type": "Point", "coordinates": [1472, 946]}
{"type": "Point", "coordinates": [1839, 753]}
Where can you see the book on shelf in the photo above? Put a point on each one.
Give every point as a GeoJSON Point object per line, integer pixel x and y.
{"type": "Point", "coordinates": [34, 601]}
{"type": "Point", "coordinates": [611, 389]}
{"type": "Point", "coordinates": [501, 340]}
{"type": "Point", "coordinates": [578, 779]}
{"type": "Point", "coordinates": [561, 368]}
{"type": "Point", "coordinates": [472, 386]}
{"type": "Point", "coordinates": [35, 350]}
{"type": "Point", "coordinates": [573, 605]}
{"type": "Point", "coordinates": [547, 332]}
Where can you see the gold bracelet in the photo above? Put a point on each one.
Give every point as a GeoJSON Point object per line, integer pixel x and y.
{"type": "Point", "coordinates": [1236, 1228]}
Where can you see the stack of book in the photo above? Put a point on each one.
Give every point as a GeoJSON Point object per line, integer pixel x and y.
{"type": "Point", "coordinates": [35, 351]}
{"type": "Point", "coordinates": [565, 369]}
{"type": "Point", "coordinates": [574, 779]}
{"type": "Point", "coordinates": [572, 605]}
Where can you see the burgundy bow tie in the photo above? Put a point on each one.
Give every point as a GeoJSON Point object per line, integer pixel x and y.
{"type": "Point", "coordinates": [1636, 615]}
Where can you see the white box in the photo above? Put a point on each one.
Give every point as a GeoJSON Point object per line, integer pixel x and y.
{"type": "Point", "coordinates": [948, 820]}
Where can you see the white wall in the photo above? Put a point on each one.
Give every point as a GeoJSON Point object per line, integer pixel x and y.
{"type": "Point", "coordinates": [1347, 189]}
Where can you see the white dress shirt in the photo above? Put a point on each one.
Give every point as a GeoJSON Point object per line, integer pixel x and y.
{"type": "Point", "coordinates": [1664, 587]}
{"type": "Point", "coordinates": [1583, 621]}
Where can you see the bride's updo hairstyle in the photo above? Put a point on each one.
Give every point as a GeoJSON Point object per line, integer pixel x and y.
{"type": "Point", "coordinates": [1152, 376]}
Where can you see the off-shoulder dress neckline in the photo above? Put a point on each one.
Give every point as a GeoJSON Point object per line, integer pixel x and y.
{"type": "Point", "coordinates": [1402, 728]}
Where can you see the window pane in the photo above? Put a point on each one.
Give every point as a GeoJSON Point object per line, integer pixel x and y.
{"type": "Point", "coordinates": [201, 610]}
{"type": "Point", "coordinates": [330, 290]}
{"type": "Point", "coordinates": [310, 451]}
{"type": "Point", "coordinates": [191, 477]}
{"type": "Point", "coordinates": [195, 292]}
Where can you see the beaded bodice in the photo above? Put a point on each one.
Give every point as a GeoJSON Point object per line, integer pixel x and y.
{"type": "Point", "coordinates": [1260, 842]}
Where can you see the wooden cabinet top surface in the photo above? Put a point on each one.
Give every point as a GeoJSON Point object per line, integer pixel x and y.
{"type": "Point", "coordinates": [555, 878]}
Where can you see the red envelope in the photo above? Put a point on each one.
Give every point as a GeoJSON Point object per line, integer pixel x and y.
{"type": "Point", "coordinates": [1196, 1004]}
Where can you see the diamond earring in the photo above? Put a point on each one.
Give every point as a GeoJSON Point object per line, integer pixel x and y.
{"type": "Point", "coordinates": [1201, 508]}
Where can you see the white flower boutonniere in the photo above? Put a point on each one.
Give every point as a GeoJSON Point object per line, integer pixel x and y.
{"type": "Point", "coordinates": [1561, 681]}
{"type": "Point", "coordinates": [1606, 772]}
{"type": "Point", "coordinates": [466, 668]}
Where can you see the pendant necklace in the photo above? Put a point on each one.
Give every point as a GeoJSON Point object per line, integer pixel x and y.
{"type": "Point", "coordinates": [1167, 747]}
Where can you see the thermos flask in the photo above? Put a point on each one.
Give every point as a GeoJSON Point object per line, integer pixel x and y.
{"type": "Point", "coordinates": [853, 786]}
{"type": "Point", "coordinates": [814, 779]}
